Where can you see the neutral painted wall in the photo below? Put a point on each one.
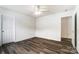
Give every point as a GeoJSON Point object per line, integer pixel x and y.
{"type": "Point", "coordinates": [24, 25]}
{"type": "Point", "coordinates": [78, 28]}
{"type": "Point", "coordinates": [50, 26]}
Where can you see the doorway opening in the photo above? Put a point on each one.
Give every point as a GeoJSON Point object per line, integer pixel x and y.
{"type": "Point", "coordinates": [66, 29]}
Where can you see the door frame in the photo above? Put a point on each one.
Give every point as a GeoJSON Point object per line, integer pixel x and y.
{"type": "Point", "coordinates": [1, 29]}
{"type": "Point", "coordinates": [75, 41]}
{"type": "Point", "coordinates": [65, 17]}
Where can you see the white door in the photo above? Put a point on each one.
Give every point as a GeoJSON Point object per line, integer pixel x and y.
{"type": "Point", "coordinates": [8, 28]}
{"type": "Point", "coordinates": [0, 29]}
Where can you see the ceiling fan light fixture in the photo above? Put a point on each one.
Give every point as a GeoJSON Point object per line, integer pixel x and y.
{"type": "Point", "coordinates": [38, 13]}
{"type": "Point", "coordinates": [37, 10]}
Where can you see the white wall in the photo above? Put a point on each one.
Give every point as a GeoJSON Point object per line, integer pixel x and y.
{"type": "Point", "coordinates": [24, 24]}
{"type": "Point", "coordinates": [50, 26]}
{"type": "Point", "coordinates": [78, 28]}
{"type": "Point", "coordinates": [24, 27]}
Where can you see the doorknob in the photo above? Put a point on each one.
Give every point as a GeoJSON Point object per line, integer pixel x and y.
{"type": "Point", "coordinates": [2, 30]}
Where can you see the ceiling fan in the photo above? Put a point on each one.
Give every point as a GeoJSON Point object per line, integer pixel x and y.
{"type": "Point", "coordinates": [40, 9]}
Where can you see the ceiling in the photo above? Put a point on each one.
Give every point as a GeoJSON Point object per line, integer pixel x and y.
{"type": "Point", "coordinates": [47, 9]}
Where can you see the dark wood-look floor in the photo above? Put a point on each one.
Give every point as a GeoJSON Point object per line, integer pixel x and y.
{"type": "Point", "coordinates": [0, 50]}
{"type": "Point", "coordinates": [39, 46]}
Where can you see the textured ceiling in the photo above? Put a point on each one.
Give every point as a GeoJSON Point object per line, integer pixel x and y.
{"type": "Point", "coordinates": [47, 9]}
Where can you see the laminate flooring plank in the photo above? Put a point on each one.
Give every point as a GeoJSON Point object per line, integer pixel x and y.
{"type": "Point", "coordinates": [39, 46]}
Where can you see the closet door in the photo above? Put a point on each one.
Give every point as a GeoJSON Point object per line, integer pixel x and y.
{"type": "Point", "coordinates": [0, 29]}
{"type": "Point", "coordinates": [8, 29]}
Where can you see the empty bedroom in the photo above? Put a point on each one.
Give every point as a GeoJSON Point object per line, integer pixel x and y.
{"type": "Point", "coordinates": [39, 29]}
